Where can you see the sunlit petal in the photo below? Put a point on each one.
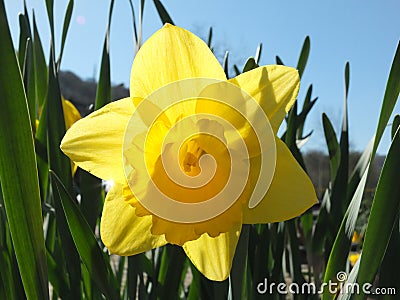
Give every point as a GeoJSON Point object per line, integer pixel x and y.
{"type": "Point", "coordinates": [275, 88]}
{"type": "Point", "coordinates": [94, 143]}
{"type": "Point", "coordinates": [171, 54]}
{"type": "Point", "coordinates": [122, 231]}
{"type": "Point", "coordinates": [213, 256]}
{"type": "Point", "coordinates": [291, 192]}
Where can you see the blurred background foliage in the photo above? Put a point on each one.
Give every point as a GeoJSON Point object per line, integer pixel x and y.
{"type": "Point", "coordinates": [49, 241]}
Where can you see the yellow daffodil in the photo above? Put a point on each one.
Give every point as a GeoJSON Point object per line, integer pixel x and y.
{"type": "Point", "coordinates": [71, 114]}
{"type": "Point", "coordinates": [353, 257]}
{"type": "Point", "coordinates": [356, 239]}
{"type": "Point", "coordinates": [190, 153]}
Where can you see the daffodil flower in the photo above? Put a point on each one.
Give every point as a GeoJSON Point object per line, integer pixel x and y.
{"type": "Point", "coordinates": [353, 257]}
{"type": "Point", "coordinates": [71, 115]}
{"type": "Point", "coordinates": [191, 141]}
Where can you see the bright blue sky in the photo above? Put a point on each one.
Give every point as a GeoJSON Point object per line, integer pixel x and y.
{"type": "Point", "coordinates": [365, 33]}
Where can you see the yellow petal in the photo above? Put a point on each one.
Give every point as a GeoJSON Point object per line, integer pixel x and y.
{"type": "Point", "coordinates": [122, 231]}
{"type": "Point", "coordinates": [213, 256]}
{"type": "Point", "coordinates": [171, 54]}
{"type": "Point", "coordinates": [291, 192]}
{"type": "Point", "coordinates": [95, 142]}
{"type": "Point", "coordinates": [71, 114]}
{"type": "Point", "coordinates": [275, 88]}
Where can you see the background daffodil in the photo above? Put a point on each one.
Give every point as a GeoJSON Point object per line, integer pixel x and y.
{"type": "Point", "coordinates": [71, 113]}
{"type": "Point", "coordinates": [96, 143]}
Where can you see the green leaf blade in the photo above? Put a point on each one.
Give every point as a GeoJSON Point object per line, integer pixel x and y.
{"type": "Point", "coordinates": [18, 165]}
{"type": "Point", "coordinates": [84, 240]}
{"type": "Point", "coordinates": [384, 214]}
{"type": "Point", "coordinates": [162, 12]}
{"type": "Point", "coordinates": [390, 98]}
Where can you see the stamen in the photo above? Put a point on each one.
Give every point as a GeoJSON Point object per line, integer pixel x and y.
{"type": "Point", "coordinates": [191, 157]}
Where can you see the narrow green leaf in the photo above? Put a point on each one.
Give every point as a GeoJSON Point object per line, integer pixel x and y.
{"type": "Point", "coordinates": [92, 196]}
{"type": "Point", "coordinates": [9, 273]}
{"type": "Point", "coordinates": [119, 273]}
{"type": "Point", "coordinates": [56, 126]}
{"type": "Point", "coordinates": [290, 135]}
{"type": "Point", "coordinates": [388, 275]}
{"type": "Point", "coordinates": [41, 153]}
{"type": "Point", "coordinates": [110, 12]}
{"type": "Point", "coordinates": [237, 71]}
{"type": "Point", "coordinates": [61, 164]}
{"type": "Point", "coordinates": [204, 288]}
{"type": "Point", "coordinates": [259, 257]}
{"type": "Point", "coordinates": [67, 21]}
{"type": "Point", "coordinates": [40, 66]}
{"type": "Point", "coordinates": [135, 33]}
{"type": "Point", "coordinates": [338, 256]}
{"type": "Point", "coordinates": [162, 12]}
{"type": "Point", "coordinates": [395, 125]}
{"type": "Point", "coordinates": [249, 65]}
{"type": "Point", "coordinates": [25, 55]}
{"type": "Point", "coordinates": [278, 246]}
{"type": "Point", "coordinates": [384, 215]}
{"type": "Point", "coordinates": [210, 35]}
{"type": "Point", "coordinates": [294, 253]}
{"type": "Point", "coordinates": [137, 29]}
{"type": "Point", "coordinates": [140, 31]}
{"type": "Point", "coordinates": [359, 169]}
{"type": "Point", "coordinates": [41, 82]}
{"type": "Point", "coordinates": [57, 277]}
{"type": "Point", "coordinates": [333, 146]}
{"type": "Point", "coordinates": [85, 240]}
{"type": "Point", "coordinates": [29, 82]}
{"type": "Point", "coordinates": [24, 35]}
{"type": "Point", "coordinates": [320, 231]}
{"type": "Point", "coordinates": [239, 265]}
{"type": "Point", "coordinates": [133, 276]}
{"type": "Point", "coordinates": [103, 93]}
{"type": "Point", "coordinates": [225, 64]}
{"type": "Point", "coordinates": [279, 61]}
{"type": "Point", "coordinates": [306, 104]}
{"type": "Point", "coordinates": [354, 206]}
{"type": "Point", "coordinates": [303, 58]}
{"type": "Point", "coordinates": [50, 16]}
{"type": "Point", "coordinates": [339, 156]}
{"type": "Point", "coordinates": [301, 119]}
{"type": "Point", "coordinates": [172, 265]}
{"type": "Point", "coordinates": [390, 98]}
{"type": "Point", "coordinates": [339, 189]}
{"type": "Point", "coordinates": [18, 164]}
{"type": "Point", "coordinates": [258, 53]}
{"type": "Point", "coordinates": [346, 80]}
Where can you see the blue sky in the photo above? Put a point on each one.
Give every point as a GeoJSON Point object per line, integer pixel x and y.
{"type": "Point", "coordinates": [365, 33]}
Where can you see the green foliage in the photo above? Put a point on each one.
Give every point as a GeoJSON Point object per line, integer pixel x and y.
{"type": "Point", "coordinates": [48, 237]}
{"type": "Point", "coordinates": [22, 204]}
